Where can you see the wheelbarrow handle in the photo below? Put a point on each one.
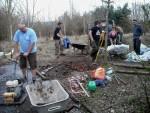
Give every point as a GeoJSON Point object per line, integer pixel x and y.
{"type": "Point", "coordinates": [54, 108]}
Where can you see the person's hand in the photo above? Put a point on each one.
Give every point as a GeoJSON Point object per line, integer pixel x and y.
{"type": "Point", "coordinates": [26, 54]}
{"type": "Point", "coordinates": [140, 37]}
{"type": "Point", "coordinates": [92, 40]}
{"type": "Point", "coordinates": [16, 56]}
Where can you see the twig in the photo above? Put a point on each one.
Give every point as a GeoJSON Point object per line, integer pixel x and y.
{"type": "Point", "coordinates": [50, 68]}
{"type": "Point", "coordinates": [42, 76]}
{"type": "Point", "coordinates": [117, 76]}
{"type": "Point", "coordinates": [83, 88]}
{"type": "Point", "coordinates": [116, 79]}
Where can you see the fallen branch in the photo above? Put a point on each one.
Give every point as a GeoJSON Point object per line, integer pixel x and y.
{"type": "Point", "coordinates": [83, 88]}
{"type": "Point", "coordinates": [133, 72]}
{"type": "Point", "coordinates": [42, 76]}
{"type": "Point", "coordinates": [118, 78]}
{"type": "Point", "coordinates": [50, 68]}
{"type": "Point", "coordinates": [130, 66]}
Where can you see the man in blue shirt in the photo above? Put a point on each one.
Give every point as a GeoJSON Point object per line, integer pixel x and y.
{"type": "Point", "coordinates": [137, 33]}
{"type": "Point", "coordinates": [25, 46]}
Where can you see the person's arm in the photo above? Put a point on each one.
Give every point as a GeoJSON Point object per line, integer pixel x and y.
{"type": "Point", "coordinates": [59, 34]}
{"type": "Point", "coordinates": [141, 32]}
{"type": "Point", "coordinates": [111, 41]}
{"type": "Point", "coordinates": [115, 41]}
{"type": "Point", "coordinates": [16, 50]}
{"type": "Point", "coordinates": [90, 35]}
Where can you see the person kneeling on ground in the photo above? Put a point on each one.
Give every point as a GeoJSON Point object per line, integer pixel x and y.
{"type": "Point", "coordinates": [26, 39]}
{"type": "Point", "coordinates": [119, 34]}
{"type": "Point", "coordinates": [113, 36]}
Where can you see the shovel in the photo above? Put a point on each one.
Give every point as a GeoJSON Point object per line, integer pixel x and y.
{"type": "Point", "coordinates": [15, 67]}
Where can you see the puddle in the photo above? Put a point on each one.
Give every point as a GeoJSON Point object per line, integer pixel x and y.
{"type": "Point", "coordinates": [7, 72]}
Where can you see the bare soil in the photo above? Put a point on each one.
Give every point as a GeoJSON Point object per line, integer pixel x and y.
{"type": "Point", "coordinates": [116, 97]}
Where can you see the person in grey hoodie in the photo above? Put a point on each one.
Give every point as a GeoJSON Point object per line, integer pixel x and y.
{"type": "Point", "coordinates": [137, 35]}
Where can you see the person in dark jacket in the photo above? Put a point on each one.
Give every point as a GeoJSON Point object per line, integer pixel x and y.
{"type": "Point", "coordinates": [137, 35]}
{"type": "Point", "coordinates": [57, 37]}
{"type": "Point", "coordinates": [94, 34]}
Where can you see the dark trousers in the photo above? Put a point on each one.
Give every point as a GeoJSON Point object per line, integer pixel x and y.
{"type": "Point", "coordinates": [136, 45]}
{"type": "Point", "coordinates": [94, 51]}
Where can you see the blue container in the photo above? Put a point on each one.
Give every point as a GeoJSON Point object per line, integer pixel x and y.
{"type": "Point", "coordinates": [66, 42]}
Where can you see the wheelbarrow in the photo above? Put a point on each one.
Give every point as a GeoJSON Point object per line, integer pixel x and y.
{"type": "Point", "coordinates": [46, 100]}
{"type": "Point", "coordinates": [80, 46]}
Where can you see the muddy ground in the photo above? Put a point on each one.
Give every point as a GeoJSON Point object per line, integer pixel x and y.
{"type": "Point", "coordinates": [117, 97]}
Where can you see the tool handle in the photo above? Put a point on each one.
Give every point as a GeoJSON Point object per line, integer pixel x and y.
{"type": "Point", "coordinates": [83, 89]}
{"type": "Point", "coordinates": [54, 108]}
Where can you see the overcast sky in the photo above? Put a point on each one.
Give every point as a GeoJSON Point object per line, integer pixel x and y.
{"type": "Point", "coordinates": [52, 9]}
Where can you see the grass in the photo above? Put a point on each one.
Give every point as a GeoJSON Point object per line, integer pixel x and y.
{"type": "Point", "coordinates": [147, 69]}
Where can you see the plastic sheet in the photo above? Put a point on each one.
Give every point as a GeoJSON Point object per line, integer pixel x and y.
{"type": "Point", "coordinates": [118, 49]}
{"type": "Point", "coordinates": [145, 55]}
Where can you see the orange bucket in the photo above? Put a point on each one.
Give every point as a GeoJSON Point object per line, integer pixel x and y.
{"type": "Point", "coordinates": [99, 73]}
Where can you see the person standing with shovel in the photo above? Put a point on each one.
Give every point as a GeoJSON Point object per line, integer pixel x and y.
{"type": "Point", "coordinates": [94, 35]}
{"type": "Point", "coordinates": [25, 49]}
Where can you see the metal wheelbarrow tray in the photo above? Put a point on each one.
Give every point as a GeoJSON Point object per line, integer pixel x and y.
{"type": "Point", "coordinates": [54, 102]}
{"type": "Point", "coordinates": [79, 45]}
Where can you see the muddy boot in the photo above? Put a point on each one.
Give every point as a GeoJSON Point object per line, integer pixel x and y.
{"type": "Point", "coordinates": [23, 80]}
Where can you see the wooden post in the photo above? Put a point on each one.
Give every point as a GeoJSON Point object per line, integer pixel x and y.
{"type": "Point", "coordinates": [108, 2]}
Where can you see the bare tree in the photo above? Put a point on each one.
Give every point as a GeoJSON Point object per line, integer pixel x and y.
{"type": "Point", "coordinates": [33, 11]}
{"type": "Point", "coordinates": [137, 12]}
{"type": "Point", "coordinates": [27, 11]}
{"type": "Point", "coordinates": [9, 7]}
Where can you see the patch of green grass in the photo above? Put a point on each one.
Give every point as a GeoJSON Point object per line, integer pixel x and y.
{"type": "Point", "coordinates": [131, 100]}
{"type": "Point", "coordinates": [147, 69]}
{"type": "Point", "coordinates": [106, 65]}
